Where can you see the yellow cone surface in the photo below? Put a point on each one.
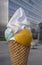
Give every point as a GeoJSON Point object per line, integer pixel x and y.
{"type": "Point", "coordinates": [19, 53]}
{"type": "Point", "coordinates": [23, 37]}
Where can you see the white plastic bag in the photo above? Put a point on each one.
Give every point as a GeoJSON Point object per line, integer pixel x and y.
{"type": "Point", "coordinates": [8, 34]}
{"type": "Point", "coordinates": [18, 21]}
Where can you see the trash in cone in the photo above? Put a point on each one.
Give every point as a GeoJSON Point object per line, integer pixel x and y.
{"type": "Point", "coordinates": [19, 49]}
{"type": "Point", "coordinates": [22, 37]}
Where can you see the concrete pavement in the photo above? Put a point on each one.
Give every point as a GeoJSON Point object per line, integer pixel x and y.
{"type": "Point", "coordinates": [35, 57]}
{"type": "Point", "coordinates": [4, 54]}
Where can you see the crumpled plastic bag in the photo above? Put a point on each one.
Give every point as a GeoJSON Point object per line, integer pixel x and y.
{"type": "Point", "coordinates": [8, 34]}
{"type": "Point", "coordinates": [18, 21]}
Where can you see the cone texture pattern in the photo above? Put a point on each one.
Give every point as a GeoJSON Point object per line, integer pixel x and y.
{"type": "Point", "coordinates": [18, 53]}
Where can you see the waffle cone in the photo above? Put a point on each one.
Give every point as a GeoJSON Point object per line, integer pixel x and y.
{"type": "Point", "coordinates": [18, 53]}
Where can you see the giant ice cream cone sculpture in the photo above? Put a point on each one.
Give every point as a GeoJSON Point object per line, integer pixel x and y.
{"type": "Point", "coordinates": [20, 47]}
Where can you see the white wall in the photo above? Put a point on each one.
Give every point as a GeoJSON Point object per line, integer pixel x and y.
{"type": "Point", "coordinates": [3, 12]}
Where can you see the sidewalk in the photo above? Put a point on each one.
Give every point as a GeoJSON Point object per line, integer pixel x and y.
{"type": "Point", "coordinates": [35, 57]}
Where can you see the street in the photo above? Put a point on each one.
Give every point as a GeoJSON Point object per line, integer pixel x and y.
{"type": "Point", "coordinates": [35, 57]}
